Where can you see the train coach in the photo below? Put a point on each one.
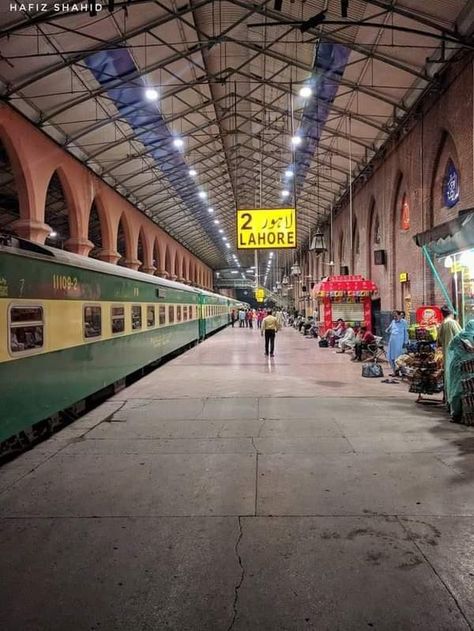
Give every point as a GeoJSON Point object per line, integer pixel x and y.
{"type": "Point", "coordinates": [73, 327]}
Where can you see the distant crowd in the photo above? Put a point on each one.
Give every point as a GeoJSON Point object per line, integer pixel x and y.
{"type": "Point", "coordinates": [250, 318]}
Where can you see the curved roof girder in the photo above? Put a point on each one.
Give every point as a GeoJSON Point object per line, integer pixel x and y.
{"type": "Point", "coordinates": [279, 16]}
{"type": "Point", "coordinates": [340, 80]}
{"type": "Point", "coordinates": [115, 43]}
{"type": "Point", "coordinates": [115, 82]}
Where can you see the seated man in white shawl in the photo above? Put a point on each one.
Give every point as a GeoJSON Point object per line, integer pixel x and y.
{"type": "Point", "coordinates": [347, 341]}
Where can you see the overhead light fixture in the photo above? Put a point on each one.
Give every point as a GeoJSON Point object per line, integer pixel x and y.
{"type": "Point", "coordinates": [228, 245]}
{"type": "Point", "coordinates": [296, 140]}
{"type": "Point", "coordinates": [178, 143]}
{"type": "Point", "coordinates": [306, 92]}
{"type": "Point", "coordinates": [288, 173]}
{"type": "Point", "coordinates": [192, 172]}
{"type": "Point", "coordinates": [220, 230]}
{"type": "Point", "coordinates": [151, 94]}
{"type": "Point", "coordinates": [216, 221]}
{"type": "Point", "coordinates": [202, 194]}
{"type": "Point", "coordinates": [210, 210]}
{"type": "Point", "coordinates": [285, 193]}
{"type": "Point", "coordinates": [53, 234]}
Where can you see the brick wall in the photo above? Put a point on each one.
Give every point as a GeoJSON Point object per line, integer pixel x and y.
{"type": "Point", "coordinates": [412, 171]}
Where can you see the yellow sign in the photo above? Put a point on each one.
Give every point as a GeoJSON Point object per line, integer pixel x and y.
{"type": "Point", "coordinates": [260, 295]}
{"type": "Point", "coordinates": [404, 277]}
{"type": "Point", "coordinates": [266, 228]}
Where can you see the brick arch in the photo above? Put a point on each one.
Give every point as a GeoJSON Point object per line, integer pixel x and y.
{"type": "Point", "coordinates": [373, 213]}
{"type": "Point", "coordinates": [106, 225]}
{"type": "Point", "coordinates": [145, 252]}
{"type": "Point", "coordinates": [156, 259]}
{"type": "Point", "coordinates": [177, 265]}
{"type": "Point", "coordinates": [399, 192]}
{"type": "Point", "coordinates": [30, 224]}
{"type": "Point", "coordinates": [77, 223]}
{"type": "Point", "coordinates": [168, 267]}
{"type": "Point", "coordinates": [123, 221]}
{"type": "Point", "coordinates": [341, 243]}
{"type": "Point", "coordinates": [447, 150]}
{"type": "Point", "coordinates": [186, 268]}
{"type": "Point", "coordinates": [356, 243]}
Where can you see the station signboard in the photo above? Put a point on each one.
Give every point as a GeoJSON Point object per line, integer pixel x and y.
{"type": "Point", "coordinates": [260, 294]}
{"type": "Point", "coordinates": [266, 228]}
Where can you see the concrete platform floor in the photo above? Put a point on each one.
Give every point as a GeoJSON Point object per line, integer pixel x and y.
{"type": "Point", "coordinates": [229, 491]}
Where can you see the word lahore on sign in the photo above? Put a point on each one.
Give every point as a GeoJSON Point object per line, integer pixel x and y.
{"type": "Point", "coordinates": [266, 228]}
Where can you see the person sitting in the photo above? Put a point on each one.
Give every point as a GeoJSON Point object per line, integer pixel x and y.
{"type": "Point", "coordinates": [347, 341]}
{"type": "Point", "coordinates": [333, 335]}
{"type": "Point", "coordinates": [363, 339]}
{"type": "Point", "coordinates": [308, 323]}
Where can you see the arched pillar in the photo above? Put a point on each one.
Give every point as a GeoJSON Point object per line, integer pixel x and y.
{"type": "Point", "coordinates": [31, 224]}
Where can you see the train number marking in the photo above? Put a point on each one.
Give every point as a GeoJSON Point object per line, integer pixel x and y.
{"type": "Point", "coordinates": [65, 283]}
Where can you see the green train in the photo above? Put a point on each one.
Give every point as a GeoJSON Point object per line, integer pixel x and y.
{"type": "Point", "coordinates": [73, 327]}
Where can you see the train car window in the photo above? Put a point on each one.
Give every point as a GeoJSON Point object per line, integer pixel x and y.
{"type": "Point", "coordinates": [26, 328]}
{"type": "Point", "coordinates": [190, 312]}
{"type": "Point", "coordinates": [178, 313]}
{"type": "Point", "coordinates": [150, 316]}
{"type": "Point", "coordinates": [92, 321]}
{"type": "Point", "coordinates": [170, 314]}
{"type": "Point", "coordinates": [162, 315]}
{"type": "Point", "coordinates": [136, 317]}
{"type": "Point", "coordinates": [185, 312]}
{"type": "Point", "coordinates": [118, 319]}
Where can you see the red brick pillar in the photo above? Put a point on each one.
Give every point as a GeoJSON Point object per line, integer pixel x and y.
{"type": "Point", "coordinates": [31, 229]}
{"type": "Point", "coordinates": [132, 264]}
{"type": "Point", "coordinates": [109, 256]}
{"type": "Point", "coordinates": [79, 246]}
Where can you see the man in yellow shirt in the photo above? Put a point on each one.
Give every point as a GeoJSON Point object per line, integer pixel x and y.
{"type": "Point", "coordinates": [269, 328]}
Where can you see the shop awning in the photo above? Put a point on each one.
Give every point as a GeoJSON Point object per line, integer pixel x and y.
{"type": "Point", "coordinates": [451, 236]}
{"type": "Point", "coordinates": [339, 286]}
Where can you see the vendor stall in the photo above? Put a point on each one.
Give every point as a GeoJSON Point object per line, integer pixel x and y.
{"type": "Point", "coordinates": [449, 252]}
{"type": "Point", "coordinates": [346, 297]}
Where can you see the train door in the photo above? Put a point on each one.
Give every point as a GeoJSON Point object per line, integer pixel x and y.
{"type": "Point", "coordinates": [202, 318]}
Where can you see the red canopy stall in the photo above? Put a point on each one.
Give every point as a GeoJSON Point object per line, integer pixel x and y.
{"type": "Point", "coordinates": [346, 297]}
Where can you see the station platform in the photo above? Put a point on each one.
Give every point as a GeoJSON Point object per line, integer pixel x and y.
{"type": "Point", "coordinates": [227, 490]}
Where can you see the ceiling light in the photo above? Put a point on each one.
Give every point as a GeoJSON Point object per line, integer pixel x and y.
{"type": "Point", "coordinates": [296, 140]}
{"type": "Point", "coordinates": [202, 194]}
{"type": "Point", "coordinates": [216, 221]}
{"type": "Point", "coordinates": [224, 238]}
{"type": "Point", "coordinates": [228, 245]}
{"type": "Point", "coordinates": [285, 193]}
{"type": "Point", "coordinates": [192, 172]}
{"type": "Point", "coordinates": [178, 143]}
{"type": "Point", "coordinates": [288, 173]}
{"type": "Point", "coordinates": [306, 91]}
{"type": "Point", "coordinates": [220, 230]}
{"type": "Point", "coordinates": [151, 94]}
{"type": "Point", "coordinates": [53, 234]}
{"type": "Point", "coordinates": [210, 210]}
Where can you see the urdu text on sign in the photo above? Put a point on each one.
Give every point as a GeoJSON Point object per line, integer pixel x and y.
{"type": "Point", "coordinates": [266, 228]}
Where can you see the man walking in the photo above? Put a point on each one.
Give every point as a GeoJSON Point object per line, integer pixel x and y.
{"type": "Point", "coordinates": [241, 318]}
{"type": "Point", "coordinates": [269, 329]}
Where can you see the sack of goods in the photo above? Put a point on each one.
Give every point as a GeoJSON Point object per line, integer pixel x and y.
{"type": "Point", "coordinates": [372, 369]}
{"type": "Point", "coordinates": [323, 343]}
